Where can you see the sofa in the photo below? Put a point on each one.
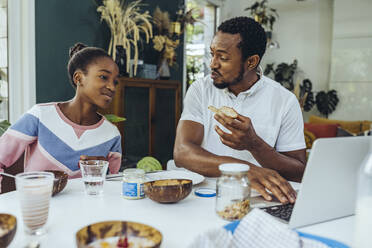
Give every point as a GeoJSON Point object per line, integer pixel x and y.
{"type": "Point", "coordinates": [319, 127]}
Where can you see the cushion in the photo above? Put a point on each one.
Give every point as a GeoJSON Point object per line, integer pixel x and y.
{"type": "Point", "coordinates": [322, 130]}
{"type": "Point", "coordinates": [366, 125]}
{"type": "Point", "coordinates": [309, 139]}
{"type": "Point", "coordinates": [351, 126]}
{"type": "Point", "coordinates": [344, 133]}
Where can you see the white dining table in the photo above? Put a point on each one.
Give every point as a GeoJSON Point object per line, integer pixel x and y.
{"type": "Point", "coordinates": [179, 222]}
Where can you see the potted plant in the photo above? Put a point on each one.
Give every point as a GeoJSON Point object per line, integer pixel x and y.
{"type": "Point", "coordinates": [263, 14]}
{"type": "Point", "coordinates": [4, 125]}
{"type": "Point", "coordinates": [325, 102]}
{"type": "Point", "coordinates": [114, 118]}
{"type": "Point", "coordinates": [126, 23]}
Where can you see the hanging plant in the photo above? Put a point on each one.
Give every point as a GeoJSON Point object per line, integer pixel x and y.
{"type": "Point", "coordinates": [263, 14]}
{"type": "Point", "coordinates": [326, 102]}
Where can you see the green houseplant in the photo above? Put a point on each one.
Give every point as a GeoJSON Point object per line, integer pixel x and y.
{"type": "Point", "coordinates": [114, 118]}
{"type": "Point", "coordinates": [4, 125]}
{"type": "Point", "coordinates": [263, 14]}
{"type": "Point", "coordinates": [326, 102]}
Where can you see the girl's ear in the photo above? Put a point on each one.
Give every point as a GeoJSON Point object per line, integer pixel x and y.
{"type": "Point", "coordinates": [77, 77]}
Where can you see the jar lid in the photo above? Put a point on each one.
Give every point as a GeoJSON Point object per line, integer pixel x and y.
{"type": "Point", "coordinates": [205, 192]}
{"type": "Point", "coordinates": [234, 167]}
{"type": "Point", "coordinates": [133, 171]}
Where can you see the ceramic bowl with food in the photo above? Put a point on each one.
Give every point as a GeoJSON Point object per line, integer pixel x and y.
{"type": "Point", "coordinates": [8, 228]}
{"type": "Point", "coordinates": [168, 190]}
{"type": "Point", "coordinates": [118, 234]}
{"type": "Point", "coordinates": [60, 181]}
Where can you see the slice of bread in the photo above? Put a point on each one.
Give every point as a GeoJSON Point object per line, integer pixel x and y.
{"type": "Point", "coordinates": [230, 112]}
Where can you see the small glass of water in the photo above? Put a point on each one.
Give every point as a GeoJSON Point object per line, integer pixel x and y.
{"type": "Point", "coordinates": [34, 192]}
{"type": "Point", "coordinates": [93, 174]}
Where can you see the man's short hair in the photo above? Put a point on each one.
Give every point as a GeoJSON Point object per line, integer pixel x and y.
{"type": "Point", "coordinates": [251, 32]}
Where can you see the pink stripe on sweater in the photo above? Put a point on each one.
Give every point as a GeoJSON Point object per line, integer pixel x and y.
{"type": "Point", "coordinates": [20, 135]}
{"type": "Point", "coordinates": [42, 160]}
{"type": "Point", "coordinates": [12, 146]}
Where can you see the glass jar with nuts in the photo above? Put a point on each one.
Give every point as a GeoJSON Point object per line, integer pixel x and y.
{"type": "Point", "coordinates": [233, 191]}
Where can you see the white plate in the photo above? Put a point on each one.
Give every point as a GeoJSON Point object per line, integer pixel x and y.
{"type": "Point", "coordinates": [176, 174]}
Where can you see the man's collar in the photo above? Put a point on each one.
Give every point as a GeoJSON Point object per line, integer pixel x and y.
{"type": "Point", "coordinates": [255, 87]}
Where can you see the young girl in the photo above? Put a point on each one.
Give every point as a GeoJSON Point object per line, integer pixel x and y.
{"type": "Point", "coordinates": [53, 136]}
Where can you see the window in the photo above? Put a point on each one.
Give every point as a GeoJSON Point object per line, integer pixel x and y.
{"type": "Point", "coordinates": [198, 39]}
{"type": "Point", "coordinates": [4, 59]}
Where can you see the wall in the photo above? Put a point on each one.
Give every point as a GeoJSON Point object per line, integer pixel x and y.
{"type": "Point", "coordinates": [304, 32]}
{"type": "Point", "coordinates": [332, 42]}
{"type": "Point", "coordinates": [351, 73]}
{"type": "Point", "coordinates": [60, 24]}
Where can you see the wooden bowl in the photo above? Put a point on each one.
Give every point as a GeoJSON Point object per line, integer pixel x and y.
{"type": "Point", "coordinates": [95, 235]}
{"type": "Point", "coordinates": [60, 181]}
{"type": "Point", "coordinates": [8, 228]}
{"type": "Point", "coordinates": [168, 190]}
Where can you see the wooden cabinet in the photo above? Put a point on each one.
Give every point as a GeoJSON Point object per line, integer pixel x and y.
{"type": "Point", "coordinates": [152, 109]}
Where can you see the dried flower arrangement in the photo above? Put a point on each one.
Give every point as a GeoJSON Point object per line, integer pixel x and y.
{"type": "Point", "coordinates": [126, 22]}
{"type": "Point", "coordinates": [169, 31]}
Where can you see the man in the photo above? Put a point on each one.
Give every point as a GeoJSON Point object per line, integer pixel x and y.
{"type": "Point", "coordinates": [268, 132]}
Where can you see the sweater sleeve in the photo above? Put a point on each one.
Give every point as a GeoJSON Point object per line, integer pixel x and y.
{"type": "Point", "coordinates": [15, 140]}
{"type": "Point", "coordinates": [114, 156]}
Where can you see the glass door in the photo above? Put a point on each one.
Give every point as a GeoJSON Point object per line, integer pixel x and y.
{"type": "Point", "coordinates": [198, 38]}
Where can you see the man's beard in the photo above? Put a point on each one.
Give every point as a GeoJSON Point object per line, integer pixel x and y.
{"type": "Point", "coordinates": [235, 81]}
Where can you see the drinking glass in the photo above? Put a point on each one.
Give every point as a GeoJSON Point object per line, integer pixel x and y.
{"type": "Point", "coordinates": [34, 191]}
{"type": "Point", "coordinates": [93, 173]}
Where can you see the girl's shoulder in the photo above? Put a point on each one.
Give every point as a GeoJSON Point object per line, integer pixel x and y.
{"type": "Point", "coordinates": [38, 109]}
{"type": "Point", "coordinates": [109, 127]}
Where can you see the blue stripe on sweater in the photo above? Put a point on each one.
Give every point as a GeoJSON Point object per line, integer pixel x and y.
{"type": "Point", "coordinates": [27, 124]}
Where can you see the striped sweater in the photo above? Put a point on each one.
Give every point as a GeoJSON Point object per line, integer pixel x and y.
{"type": "Point", "coordinates": [52, 142]}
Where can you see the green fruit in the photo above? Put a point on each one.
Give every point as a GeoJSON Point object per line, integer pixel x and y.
{"type": "Point", "coordinates": [149, 164]}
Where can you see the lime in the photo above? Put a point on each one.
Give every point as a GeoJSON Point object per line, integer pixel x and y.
{"type": "Point", "coordinates": [149, 164]}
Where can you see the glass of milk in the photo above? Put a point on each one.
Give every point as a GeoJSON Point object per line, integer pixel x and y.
{"type": "Point", "coordinates": [34, 191]}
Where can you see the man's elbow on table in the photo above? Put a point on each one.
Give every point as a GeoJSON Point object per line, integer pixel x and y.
{"type": "Point", "coordinates": [186, 156]}
{"type": "Point", "coordinates": [180, 152]}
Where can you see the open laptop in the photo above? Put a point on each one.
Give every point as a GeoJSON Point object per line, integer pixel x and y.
{"type": "Point", "coordinates": [328, 188]}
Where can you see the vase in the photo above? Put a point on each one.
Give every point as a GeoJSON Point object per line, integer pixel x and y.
{"type": "Point", "coordinates": [164, 71]}
{"type": "Point", "coordinates": [121, 60]}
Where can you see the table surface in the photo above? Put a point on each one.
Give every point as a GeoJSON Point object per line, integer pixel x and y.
{"type": "Point", "coordinates": [179, 223]}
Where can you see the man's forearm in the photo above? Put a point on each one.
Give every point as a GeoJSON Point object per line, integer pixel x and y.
{"type": "Point", "coordinates": [197, 159]}
{"type": "Point", "coordinates": [290, 168]}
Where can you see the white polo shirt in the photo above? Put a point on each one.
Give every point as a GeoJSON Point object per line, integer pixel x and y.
{"type": "Point", "coordinates": [275, 113]}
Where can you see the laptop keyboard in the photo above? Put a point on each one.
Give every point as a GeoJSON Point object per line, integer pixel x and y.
{"type": "Point", "coordinates": [283, 212]}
